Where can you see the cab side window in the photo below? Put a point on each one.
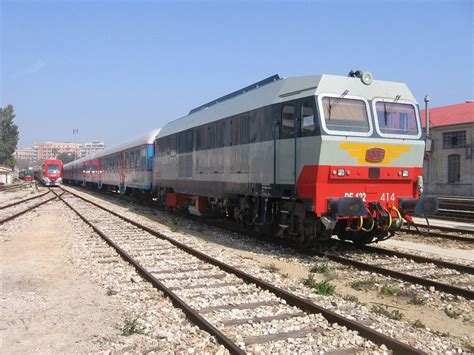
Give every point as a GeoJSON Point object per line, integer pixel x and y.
{"type": "Point", "coordinates": [287, 123]}
{"type": "Point", "coordinates": [307, 118]}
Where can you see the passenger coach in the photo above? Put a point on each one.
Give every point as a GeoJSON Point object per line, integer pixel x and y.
{"type": "Point", "coordinates": [124, 168]}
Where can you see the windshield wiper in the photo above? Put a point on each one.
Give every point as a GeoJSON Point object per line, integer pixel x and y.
{"type": "Point", "coordinates": [339, 98]}
{"type": "Point", "coordinates": [385, 112]}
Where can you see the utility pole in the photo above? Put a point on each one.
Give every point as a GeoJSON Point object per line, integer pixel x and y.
{"type": "Point", "coordinates": [427, 115]}
{"type": "Point", "coordinates": [428, 141]}
{"type": "Point", "coordinates": [75, 131]}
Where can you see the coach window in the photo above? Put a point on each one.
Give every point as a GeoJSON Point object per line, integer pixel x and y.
{"type": "Point", "coordinates": [287, 127]}
{"type": "Point", "coordinates": [127, 160]}
{"type": "Point", "coordinates": [307, 118]}
{"type": "Point", "coordinates": [132, 159]}
{"type": "Point", "coordinates": [343, 115]}
{"type": "Point", "coordinates": [143, 158]}
{"type": "Point", "coordinates": [454, 168]}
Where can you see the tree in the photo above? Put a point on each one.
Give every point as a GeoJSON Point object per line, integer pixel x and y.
{"type": "Point", "coordinates": [66, 157]}
{"type": "Point", "coordinates": [8, 136]}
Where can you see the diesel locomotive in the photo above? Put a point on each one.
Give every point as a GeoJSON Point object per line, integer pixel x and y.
{"type": "Point", "coordinates": [302, 158]}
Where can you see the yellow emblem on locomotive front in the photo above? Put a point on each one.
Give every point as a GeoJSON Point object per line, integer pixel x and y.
{"type": "Point", "coordinates": [382, 154]}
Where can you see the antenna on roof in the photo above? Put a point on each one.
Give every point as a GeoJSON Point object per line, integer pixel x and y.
{"type": "Point", "coordinates": [256, 85]}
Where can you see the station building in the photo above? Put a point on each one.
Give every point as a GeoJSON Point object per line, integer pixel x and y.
{"type": "Point", "coordinates": [6, 175]}
{"type": "Point", "coordinates": [448, 167]}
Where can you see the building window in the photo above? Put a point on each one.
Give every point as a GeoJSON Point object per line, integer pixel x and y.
{"type": "Point", "coordinates": [454, 139]}
{"type": "Point", "coordinates": [454, 168]}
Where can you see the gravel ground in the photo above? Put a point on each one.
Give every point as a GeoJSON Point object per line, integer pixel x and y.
{"type": "Point", "coordinates": [440, 323]}
{"type": "Point", "coordinates": [7, 197]}
{"type": "Point", "coordinates": [444, 243]}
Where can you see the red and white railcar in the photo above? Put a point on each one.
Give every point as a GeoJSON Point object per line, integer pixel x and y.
{"type": "Point", "coordinates": [51, 173]}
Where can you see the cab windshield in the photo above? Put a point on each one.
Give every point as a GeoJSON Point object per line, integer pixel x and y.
{"type": "Point", "coordinates": [345, 115]}
{"type": "Point", "coordinates": [396, 118]}
{"type": "Point", "coordinates": [53, 168]}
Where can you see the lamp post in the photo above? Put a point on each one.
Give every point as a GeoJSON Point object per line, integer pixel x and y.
{"type": "Point", "coordinates": [427, 115]}
{"type": "Point", "coordinates": [428, 140]}
{"type": "Point", "coordinates": [75, 131]}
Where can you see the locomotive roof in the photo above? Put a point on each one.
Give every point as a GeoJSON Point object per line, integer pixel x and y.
{"type": "Point", "coordinates": [275, 90]}
{"type": "Point", "coordinates": [147, 138]}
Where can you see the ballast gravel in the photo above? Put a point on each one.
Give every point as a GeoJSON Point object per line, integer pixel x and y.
{"type": "Point", "coordinates": [126, 235]}
{"type": "Point", "coordinates": [153, 324]}
{"type": "Point", "coordinates": [208, 239]}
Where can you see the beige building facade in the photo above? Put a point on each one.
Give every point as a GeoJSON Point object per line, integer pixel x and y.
{"type": "Point", "coordinates": [27, 154]}
{"type": "Point", "coordinates": [449, 167]}
{"type": "Point", "coordinates": [50, 150]}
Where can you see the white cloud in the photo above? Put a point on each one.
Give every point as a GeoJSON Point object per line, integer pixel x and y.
{"type": "Point", "coordinates": [31, 69]}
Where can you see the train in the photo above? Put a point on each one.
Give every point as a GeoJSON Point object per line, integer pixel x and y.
{"type": "Point", "coordinates": [300, 158]}
{"type": "Point", "coordinates": [26, 174]}
{"type": "Point", "coordinates": [50, 173]}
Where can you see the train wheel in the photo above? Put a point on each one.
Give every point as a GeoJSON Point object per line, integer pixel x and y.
{"type": "Point", "coordinates": [363, 238]}
{"type": "Point", "coordinates": [359, 238]}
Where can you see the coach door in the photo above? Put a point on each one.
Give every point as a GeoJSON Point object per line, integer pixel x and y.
{"type": "Point", "coordinates": [122, 172]}
{"type": "Point", "coordinates": [285, 145]}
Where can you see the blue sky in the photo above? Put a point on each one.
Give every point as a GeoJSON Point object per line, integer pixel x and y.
{"type": "Point", "coordinates": [116, 69]}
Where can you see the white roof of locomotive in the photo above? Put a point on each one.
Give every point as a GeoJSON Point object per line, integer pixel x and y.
{"type": "Point", "coordinates": [147, 138]}
{"type": "Point", "coordinates": [287, 89]}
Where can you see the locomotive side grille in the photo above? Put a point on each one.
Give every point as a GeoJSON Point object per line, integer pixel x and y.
{"type": "Point", "coordinates": [374, 173]}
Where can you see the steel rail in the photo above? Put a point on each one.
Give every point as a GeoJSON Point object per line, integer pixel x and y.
{"type": "Point", "coordinates": [420, 259]}
{"type": "Point", "coordinates": [24, 200]}
{"type": "Point", "coordinates": [9, 218]}
{"type": "Point", "coordinates": [468, 294]}
{"type": "Point", "coordinates": [442, 235]}
{"type": "Point", "coordinates": [395, 345]}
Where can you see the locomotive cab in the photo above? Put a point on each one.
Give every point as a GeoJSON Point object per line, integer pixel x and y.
{"type": "Point", "coordinates": [369, 168]}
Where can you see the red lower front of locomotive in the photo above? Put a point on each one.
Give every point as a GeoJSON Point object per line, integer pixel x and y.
{"type": "Point", "coordinates": [355, 191]}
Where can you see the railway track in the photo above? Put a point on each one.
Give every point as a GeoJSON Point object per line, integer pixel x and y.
{"type": "Point", "coordinates": [449, 277]}
{"type": "Point", "coordinates": [442, 233]}
{"type": "Point", "coordinates": [12, 187]}
{"type": "Point", "coordinates": [221, 299]}
{"type": "Point", "coordinates": [456, 209]}
{"type": "Point", "coordinates": [18, 208]}
{"type": "Point", "coordinates": [428, 272]}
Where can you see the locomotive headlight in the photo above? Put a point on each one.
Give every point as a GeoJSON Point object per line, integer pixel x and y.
{"type": "Point", "coordinates": [405, 173]}
{"type": "Point", "coordinates": [367, 77]}
{"type": "Point", "coordinates": [341, 172]}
